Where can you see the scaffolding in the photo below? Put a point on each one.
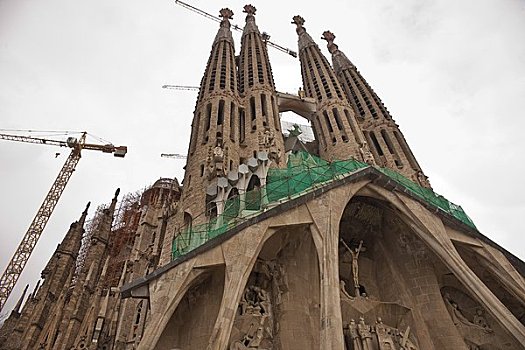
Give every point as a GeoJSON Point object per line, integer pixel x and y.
{"type": "Point", "coordinates": [91, 225]}
{"type": "Point", "coordinates": [304, 173]}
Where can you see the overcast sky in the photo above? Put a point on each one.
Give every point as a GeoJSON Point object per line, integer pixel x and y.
{"type": "Point", "coordinates": [451, 72]}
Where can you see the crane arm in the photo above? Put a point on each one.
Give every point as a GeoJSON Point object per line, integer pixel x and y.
{"type": "Point", "coordinates": [24, 250]}
{"type": "Point", "coordinates": [173, 155]}
{"type": "Point", "coordinates": [30, 139]}
{"type": "Point", "coordinates": [72, 142]}
{"type": "Point", "coordinates": [234, 26]}
{"type": "Point", "coordinates": [20, 257]}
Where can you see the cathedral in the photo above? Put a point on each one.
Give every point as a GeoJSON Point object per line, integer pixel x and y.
{"type": "Point", "coordinates": [275, 242]}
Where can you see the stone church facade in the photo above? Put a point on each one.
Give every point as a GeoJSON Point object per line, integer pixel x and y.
{"type": "Point", "coordinates": [274, 243]}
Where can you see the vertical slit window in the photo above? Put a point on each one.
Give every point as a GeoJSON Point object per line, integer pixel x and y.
{"type": "Point", "coordinates": [337, 119]}
{"type": "Point", "coordinates": [232, 122]}
{"type": "Point", "coordinates": [222, 82]}
{"type": "Point", "coordinates": [220, 114]}
{"type": "Point", "coordinates": [242, 125]}
{"type": "Point", "coordinates": [213, 70]}
{"type": "Point", "coordinates": [195, 135]}
{"type": "Point", "coordinates": [208, 117]}
{"type": "Point", "coordinates": [408, 154]}
{"type": "Point", "coordinates": [387, 141]}
{"type": "Point", "coordinates": [264, 109]}
{"type": "Point", "coordinates": [351, 123]}
{"type": "Point", "coordinates": [275, 115]}
{"type": "Point", "coordinates": [253, 115]}
{"type": "Point", "coordinates": [376, 143]}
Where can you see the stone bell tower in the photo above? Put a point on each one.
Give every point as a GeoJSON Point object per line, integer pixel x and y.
{"type": "Point", "coordinates": [334, 124]}
{"type": "Point", "coordinates": [260, 128]}
{"type": "Point", "coordinates": [214, 145]}
{"type": "Point", "coordinates": [387, 143]}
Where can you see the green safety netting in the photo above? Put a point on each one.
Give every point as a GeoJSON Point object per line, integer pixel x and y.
{"type": "Point", "coordinates": [430, 197]}
{"type": "Point", "coordinates": [304, 173]}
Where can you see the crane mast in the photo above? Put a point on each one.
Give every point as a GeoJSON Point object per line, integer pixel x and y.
{"type": "Point", "coordinates": [25, 248]}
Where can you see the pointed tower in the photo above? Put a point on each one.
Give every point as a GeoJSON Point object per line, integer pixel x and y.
{"type": "Point", "coordinates": [334, 124]}
{"type": "Point", "coordinates": [259, 123]}
{"type": "Point", "coordinates": [81, 291]}
{"type": "Point", "coordinates": [214, 145]}
{"type": "Point", "coordinates": [384, 138]}
{"type": "Point", "coordinates": [56, 277]}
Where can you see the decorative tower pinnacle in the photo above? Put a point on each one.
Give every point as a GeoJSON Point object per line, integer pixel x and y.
{"type": "Point", "coordinates": [386, 141]}
{"type": "Point", "coordinates": [334, 125]}
{"type": "Point", "coordinates": [214, 144]}
{"type": "Point", "coordinates": [259, 122]}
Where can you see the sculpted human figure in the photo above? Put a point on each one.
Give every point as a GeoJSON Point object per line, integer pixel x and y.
{"type": "Point", "coordinates": [355, 267]}
{"type": "Point", "coordinates": [342, 286]}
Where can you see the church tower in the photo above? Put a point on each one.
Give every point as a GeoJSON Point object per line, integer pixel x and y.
{"type": "Point", "coordinates": [387, 143]}
{"type": "Point", "coordinates": [214, 145]}
{"type": "Point", "coordinates": [334, 124]}
{"type": "Point", "coordinates": [259, 128]}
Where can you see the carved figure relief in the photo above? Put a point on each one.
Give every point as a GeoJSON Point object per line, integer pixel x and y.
{"type": "Point", "coordinates": [355, 264]}
{"type": "Point", "coordinates": [379, 336]}
{"type": "Point", "coordinates": [255, 319]}
{"type": "Point", "coordinates": [475, 326]}
{"type": "Point", "coordinates": [366, 154]}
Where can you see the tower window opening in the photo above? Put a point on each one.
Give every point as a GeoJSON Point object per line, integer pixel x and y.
{"type": "Point", "coordinates": [376, 143]}
{"type": "Point", "coordinates": [337, 119]}
{"type": "Point", "coordinates": [232, 68]}
{"type": "Point", "coordinates": [406, 150]}
{"type": "Point", "coordinates": [351, 123]}
{"type": "Point", "coordinates": [213, 70]}
{"type": "Point", "coordinates": [250, 66]}
{"type": "Point", "coordinates": [208, 116]}
{"type": "Point", "coordinates": [202, 169]}
{"type": "Point", "coordinates": [259, 61]}
{"type": "Point", "coordinates": [264, 109]}
{"type": "Point", "coordinates": [387, 141]}
{"type": "Point", "coordinates": [232, 121]}
{"type": "Point", "coordinates": [275, 115]}
{"type": "Point", "coordinates": [242, 125]}
{"type": "Point", "coordinates": [195, 133]}
{"type": "Point", "coordinates": [220, 115]}
{"type": "Point", "coordinates": [327, 119]}
{"type": "Point", "coordinates": [222, 83]}
{"type": "Point", "coordinates": [252, 108]}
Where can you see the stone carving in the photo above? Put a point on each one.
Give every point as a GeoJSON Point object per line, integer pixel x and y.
{"type": "Point", "coordinates": [362, 336]}
{"type": "Point", "coordinates": [255, 322]}
{"type": "Point", "coordinates": [422, 179]}
{"type": "Point", "coordinates": [342, 287]}
{"type": "Point", "coordinates": [480, 320]}
{"type": "Point", "coordinates": [249, 341]}
{"type": "Point", "coordinates": [255, 301]}
{"type": "Point", "coordinates": [459, 318]}
{"type": "Point", "coordinates": [267, 138]}
{"type": "Point", "coordinates": [226, 13]}
{"type": "Point", "coordinates": [215, 161]}
{"type": "Point", "coordinates": [355, 266]}
{"type": "Point", "coordinates": [249, 9]}
{"type": "Point", "coordinates": [366, 154]}
{"type": "Point", "coordinates": [298, 20]}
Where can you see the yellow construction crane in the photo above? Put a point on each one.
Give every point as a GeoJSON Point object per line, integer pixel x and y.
{"type": "Point", "coordinates": [24, 250]}
{"type": "Point", "coordinates": [181, 87]}
{"type": "Point", "coordinates": [265, 36]}
{"type": "Point", "coordinates": [173, 155]}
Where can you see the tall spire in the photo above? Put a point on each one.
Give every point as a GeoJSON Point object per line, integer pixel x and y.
{"type": "Point", "coordinates": [334, 125]}
{"type": "Point", "coordinates": [386, 141]}
{"type": "Point", "coordinates": [214, 144]}
{"type": "Point", "coordinates": [259, 122]}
